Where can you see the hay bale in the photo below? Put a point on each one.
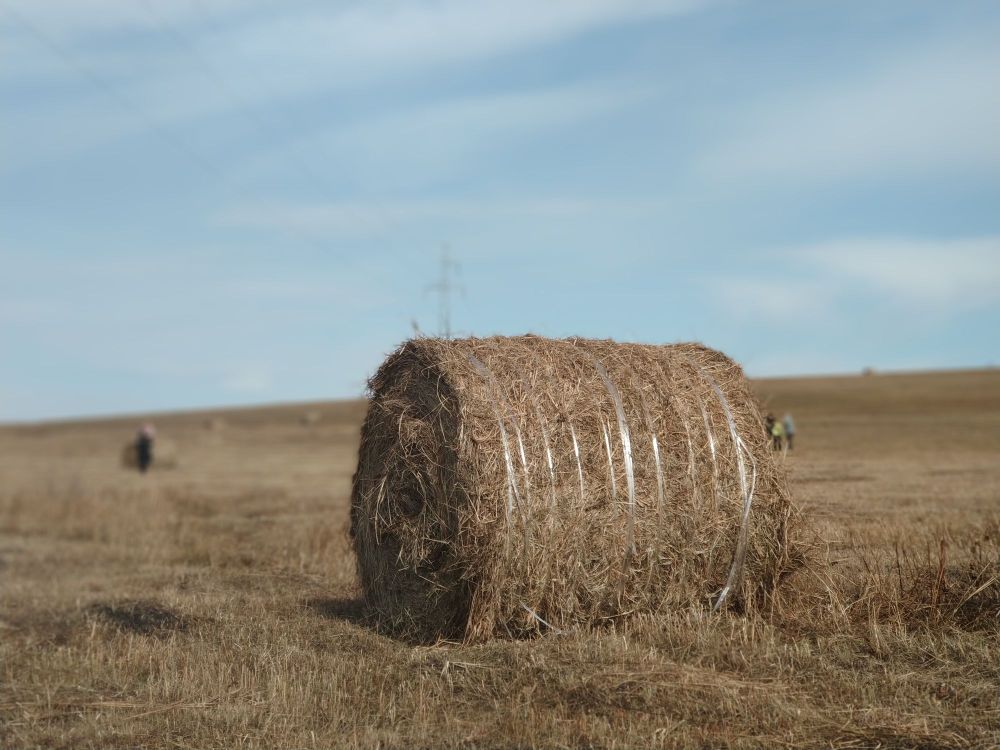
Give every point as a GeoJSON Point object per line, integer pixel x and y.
{"type": "Point", "coordinates": [310, 418]}
{"type": "Point", "coordinates": [510, 484]}
{"type": "Point", "coordinates": [164, 455]}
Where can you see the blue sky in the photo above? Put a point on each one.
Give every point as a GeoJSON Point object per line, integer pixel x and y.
{"type": "Point", "coordinates": [211, 202]}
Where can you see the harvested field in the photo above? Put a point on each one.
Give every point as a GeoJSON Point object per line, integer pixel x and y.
{"type": "Point", "coordinates": [216, 605]}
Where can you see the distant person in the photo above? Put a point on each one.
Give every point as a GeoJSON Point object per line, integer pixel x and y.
{"type": "Point", "coordinates": [789, 431]}
{"type": "Point", "coordinates": [144, 440]}
{"type": "Point", "coordinates": [769, 426]}
{"type": "Point", "coordinates": [777, 435]}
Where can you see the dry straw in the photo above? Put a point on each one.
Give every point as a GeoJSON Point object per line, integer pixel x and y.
{"type": "Point", "coordinates": [510, 485]}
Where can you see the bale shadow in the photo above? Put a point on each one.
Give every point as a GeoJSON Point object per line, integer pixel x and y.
{"type": "Point", "coordinates": [141, 616]}
{"type": "Point", "coordinates": [348, 609]}
{"type": "Point", "coordinates": [355, 611]}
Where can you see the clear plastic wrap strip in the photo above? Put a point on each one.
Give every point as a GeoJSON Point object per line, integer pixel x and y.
{"type": "Point", "coordinates": [712, 451]}
{"type": "Point", "coordinates": [380, 498]}
{"type": "Point", "coordinates": [711, 437]}
{"type": "Point", "coordinates": [661, 493]}
{"type": "Point", "coordinates": [512, 491]}
{"type": "Point", "coordinates": [611, 464]}
{"type": "Point", "coordinates": [544, 425]}
{"type": "Point", "coordinates": [682, 413]}
{"type": "Point", "coordinates": [626, 438]}
{"type": "Point", "coordinates": [576, 455]}
{"type": "Point", "coordinates": [536, 616]}
{"type": "Point", "coordinates": [550, 464]}
{"type": "Point", "coordinates": [747, 486]}
{"type": "Point", "coordinates": [524, 464]}
{"type": "Point", "coordinates": [709, 433]}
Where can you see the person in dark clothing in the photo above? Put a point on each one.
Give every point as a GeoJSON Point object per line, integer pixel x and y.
{"type": "Point", "coordinates": [769, 426]}
{"type": "Point", "coordinates": [144, 447]}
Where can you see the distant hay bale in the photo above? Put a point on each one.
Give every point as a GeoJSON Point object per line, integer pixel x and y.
{"type": "Point", "coordinates": [214, 424]}
{"type": "Point", "coordinates": [507, 485]}
{"type": "Point", "coordinates": [310, 418]}
{"type": "Point", "coordinates": [164, 455]}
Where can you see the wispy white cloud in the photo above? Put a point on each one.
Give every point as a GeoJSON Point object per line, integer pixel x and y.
{"type": "Point", "coordinates": [921, 110]}
{"type": "Point", "coordinates": [352, 219]}
{"type": "Point", "coordinates": [391, 34]}
{"type": "Point", "coordinates": [773, 300]}
{"type": "Point", "coordinates": [433, 140]}
{"type": "Point", "coordinates": [74, 18]}
{"type": "Point", "coordinates": [960, 273]}
{"type": "Point", "coordinates": [819, 282]}
{"type": "Point", "coordinates": [264, 49]}
{"type": "Point", "coordinates": [252, 379]}
{"type": "Point", "coordinates": [234, 57]}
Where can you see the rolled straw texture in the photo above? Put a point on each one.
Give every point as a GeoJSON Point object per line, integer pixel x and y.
{"type": "Point", "coordinates": [510, 485]}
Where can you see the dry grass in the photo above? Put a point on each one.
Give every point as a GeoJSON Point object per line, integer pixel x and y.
{"type": "Point", "coordinates": [216, 605]}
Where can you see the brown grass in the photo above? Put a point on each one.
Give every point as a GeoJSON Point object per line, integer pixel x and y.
{"type": "Point", "coordinates": [217, 605]}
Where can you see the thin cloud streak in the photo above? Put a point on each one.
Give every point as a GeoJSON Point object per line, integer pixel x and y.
{"type": "Point", "coordinates": [949, 274]}
{"type": "Point", "coordinates": [920, 111]}
{"type": "Point", "coordinates": [942, 278]}
{"type": "Point", "coordinates": [351, 220]}
{"type": "Point", "coordinates": [247, 60]}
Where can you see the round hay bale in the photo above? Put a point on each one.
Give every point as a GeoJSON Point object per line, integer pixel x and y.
{"type": "Point", "coordinates": [214, 424]}
{"type": "Point", "coordinates": [310, 418]}
{"type": "Point", "coordinates": [164, 455]}
{"type": "Point", "coordinates": [506, 485]}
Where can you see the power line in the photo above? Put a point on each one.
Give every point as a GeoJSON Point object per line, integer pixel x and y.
{"type": "Point", "coordinates": [127, 104]}
{"type": "Point", "coordinates": [111, 92]}
{"type": "Point", "coordinates": [238, 102]}
{"type": "Point", "coordinates": [209, 70]}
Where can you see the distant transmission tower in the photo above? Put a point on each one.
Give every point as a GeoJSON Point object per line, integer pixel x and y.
{"type": "Point", "coordinates": [444, 286]}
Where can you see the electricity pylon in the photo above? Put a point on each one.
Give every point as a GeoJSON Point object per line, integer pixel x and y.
{"type": "Point", "coordinates": [443, 287]}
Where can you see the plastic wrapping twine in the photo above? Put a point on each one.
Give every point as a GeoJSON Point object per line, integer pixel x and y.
{"type": "Point", "coordinates": [548, 452]}
{"type": "Point", "coordinates": [678, 407]}
{"type": "Point", "coordinates": [711, 437]}
{"type": "Point", "coordinates": [513, 494]}
{"type": "Point", "coordinates": [535, 615]}
{"type": "Point", "coordinates": [544, 425]}
{"type": "Point", "coordinates": [746, 487]}
{"type": "Point", "coordinates": [579, 466]}
{"type": "Point", "coordinates": [378, 503]}
{"type": "Point", "coordinates": [661, 493]}
{"type": "Point", "coordinates": [611, 463]}
{"type": "Point", "coordinates": [524, 463]}
{"type": "Point", "coordinates": [629, 472]}
{"type": "Point", "coordinates": [713, 451]}
{"type": "Point", "coordinates": [736, 570]}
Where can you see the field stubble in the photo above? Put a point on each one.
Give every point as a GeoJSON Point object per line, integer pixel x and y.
{"type": "Point", "coordinates": [216, 604]}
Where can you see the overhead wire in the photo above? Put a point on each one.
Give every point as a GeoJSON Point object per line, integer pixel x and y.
{"type": "Point", "coordinates": [263, 127]}
{"type": "Point", "coordinates": [147, 120]}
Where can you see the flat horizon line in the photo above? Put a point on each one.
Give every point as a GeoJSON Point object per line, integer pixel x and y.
{"type": "Point", "coordinates": [221, 410]}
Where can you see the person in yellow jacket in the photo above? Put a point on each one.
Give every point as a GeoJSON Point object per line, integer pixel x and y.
{"type": "Point", "coordinates": [777, 435]}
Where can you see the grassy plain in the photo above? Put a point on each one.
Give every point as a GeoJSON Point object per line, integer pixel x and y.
{"type": "Point", "coordinates": [215, 604]}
